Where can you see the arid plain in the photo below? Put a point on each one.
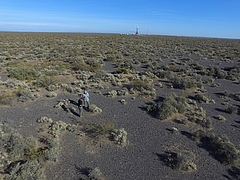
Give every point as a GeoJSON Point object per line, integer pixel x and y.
{"type": "Point", "coordinates": [161, 107]}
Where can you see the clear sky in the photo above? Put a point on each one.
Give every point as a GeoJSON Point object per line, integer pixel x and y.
{"type": "Point", "coordinates": [207, 18]}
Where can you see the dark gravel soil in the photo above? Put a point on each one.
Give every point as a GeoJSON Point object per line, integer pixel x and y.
{"type": "Point", "coordinates": [148, 138]}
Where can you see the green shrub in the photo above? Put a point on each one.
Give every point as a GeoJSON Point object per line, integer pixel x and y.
{"type": "Point", "coordinates": [219, 147]}
{"type": "Point", "coordinates": [185, 83]}
{"type": "Point", "coordinates": [23, 73]}
{"type": "Point", "coordinates": [110, 58]}
{"type": "Point", "coordinates": [172, 104]}
{"type": "Point", "coordinates": [25, 170]}
{"type": "Point", "coordinates": [139, 84]}
{"type": "Point", "coordinates": [217, 72]}
{"type": "Point", "coordinates": [91, 65]}
{"type": "Point", "coordinates": [180, 161]}
{"type": "Point", "coordinates": [45, 81]}
{"type": "Point", "coordinates": [201, 98]}
{"type": "Point", "coordinates": [122, 70]}
{"type": "Point", "coordinates": [26, 156]}
{"type": "Point", "coordinates": [16, 146]}
{"type": "Point", "coordinates": [24, 95]}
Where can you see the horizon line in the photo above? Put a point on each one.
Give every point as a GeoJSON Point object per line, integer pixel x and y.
{"type": "Point", "coordinates": [117, 33]}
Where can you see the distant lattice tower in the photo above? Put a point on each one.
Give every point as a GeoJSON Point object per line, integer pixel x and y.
{"type": "Point", "coordinates": [136, 30]}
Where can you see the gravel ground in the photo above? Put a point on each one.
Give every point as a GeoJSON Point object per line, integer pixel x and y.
{"type": "Point", "coordinates": [147, 138]}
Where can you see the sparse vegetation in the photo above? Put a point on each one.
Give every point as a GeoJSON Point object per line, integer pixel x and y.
{"type": "Point", "coordinates": [119, 67]}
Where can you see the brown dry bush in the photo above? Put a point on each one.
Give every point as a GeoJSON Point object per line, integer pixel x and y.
{"type": "Point", "coordinates": [7, 99]}
{"type": "Point", "coordinates": [139, 84]}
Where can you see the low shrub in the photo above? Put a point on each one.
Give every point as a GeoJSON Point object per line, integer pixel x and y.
{"type": "Point", "coordinates": [231, 109]}
{"type": "Point", "coordinates": [180, 161]}
{"type": "Point", "coordinates": [25, 170]}
{"type": "Point", "coordinates": [119, 136]}
{"type": "Point", "coordinates": [94, 109]}
{"type": "Point", "coordinates": [139, 84]}
{"type": "Point", "coordinates": [23, 73]}
{"type": "Point", "coordinates": [24, 95]}
{"type": "Point", "coordinates": [45, 81]}
{"type": "Point", "coordinates": [219, 147]}
{"type": "Point", "coordinates": [185, 83]}
{"type": "Point", "coordinates": [92, 65]}
{"type": "Point", "coordinates": [91, 174]}
{"type": "Point", "coordinates": [171, 104]}
{"type": "Point", "coordinates": [201, 98]}
{"type": "Point", "coordinates": [199, 116]}
{"type": "Point", "coordinates": [94, 174]}
{"type": "Point", "coordinates": [7, 99]}
{"type": "Point", "coordinates": [96, 131]}
{"type": "Point", "coordinates": [25, 156]}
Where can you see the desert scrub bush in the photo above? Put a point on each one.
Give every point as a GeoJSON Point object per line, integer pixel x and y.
{"type": "Point", "coordinates": [25, 170]}
{"type": "Point", "coordinates": [171, 105]}
{"type": "Point", "coordinates": [5, 128]}
{"type": "Point", "coordinates": [140, 85]}
{"type": "Point", "coordinates": [202, 98]}
{"type": "Point", "coordinates": [95, 174]}
{"type": "Point", "coordinates": [185, 83]}
{"type": "Point", "coordinates": [23, 73]}
{"type": "Point", "coordinates": [110, 58]}
{"type": "Point", "coordinates": [160, 73]}
{"type": "Point", "coordinates": [59, 126]}
{"type": "Point", "coordinates": [7, 98]}
{"type": "Point", "coordinates": [233, 73]}
{"type": "Point", "coordinates": [231, 109]}
{"type": "Point", "coordinates": [123, 70]}
{"type": "Point", "coordinates": [119, 136]}
{"type": "Point", "coordinates": [219, 147]}
{"type": "Point", "coordinates": [44, 119]}
{"type": "Point", "coordinates": [235, 96]}
{"type": "Point", "coordinates": [221, 118]}
{"type": "Point", "coordinates": [25, 156]}
{"type": "Point", "coordinates": [24, 95]}
{"type": "Point", "coordinates": [16, 146]}
{"type": "Point", "coordinates": [96, 131]}
{"type": "Point", "coordinates": [180, 161]}
{"type": "Point", "coordinates": [91, 65]}
{"type": "Point", "coordinates": [216, 72]}
{"type": "Point", "coordinates": [94, 109]}
{"type": "Point", "coordinates": [199, 116]}
{"type": "Point", "coordinates": [45, 81]}
{"type": "Point", "coordinates": [197, 66]}
{"type": "Point", "coordinates": [92, 174]}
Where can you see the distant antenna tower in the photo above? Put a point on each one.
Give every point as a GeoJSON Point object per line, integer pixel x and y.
{"type": "Point", "coordinates": [136, 30]}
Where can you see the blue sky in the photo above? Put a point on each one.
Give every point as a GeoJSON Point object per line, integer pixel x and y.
{"type": "Point", "coordinates": [207, 18]}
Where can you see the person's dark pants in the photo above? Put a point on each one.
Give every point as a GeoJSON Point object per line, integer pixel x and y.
{"type": "Point", "coordinates": [80, 108]}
